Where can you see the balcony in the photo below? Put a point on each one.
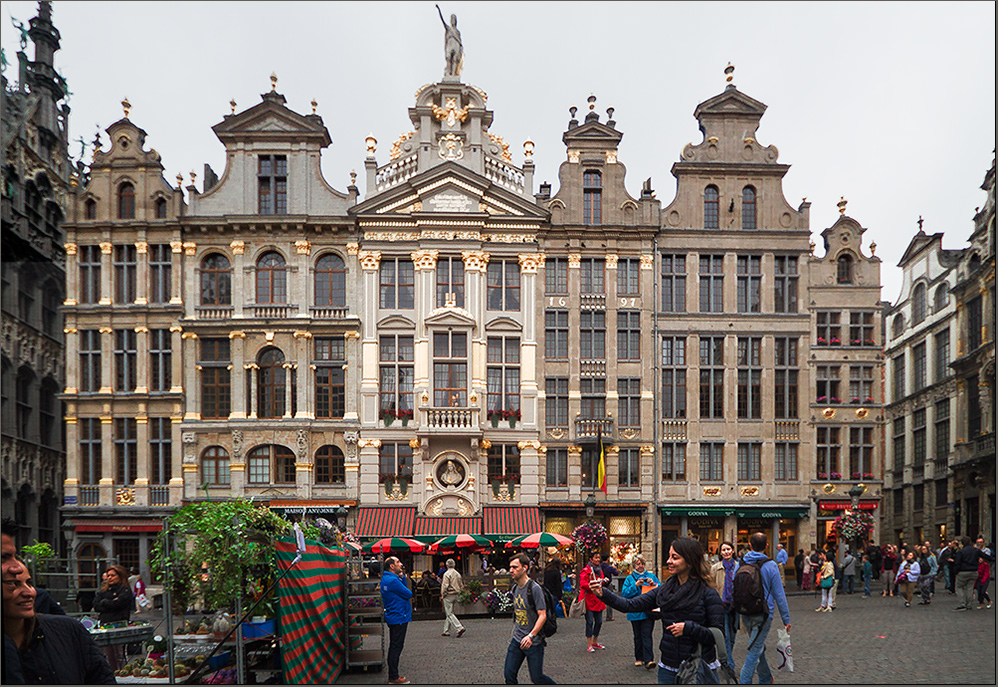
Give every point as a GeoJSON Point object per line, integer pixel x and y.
{"type": "Point", "coordinates": [595, 367]}
{"type": "Point", "coordinates": [449, 418]}
{"type": "Point", "coordinates": [328, 313]}
{"type": "Point", "coordinates": [590, 429]}
{"type": "Point", "coordinates": [214, 312]}
{"type": "Point", "coordinates": [89, 497]}
{"type": "Point", "coordinates": [980, 448]}
{"type": "Point", "coordinates": [787, 430]}
{"type": "Point", "coordinates": [273, 311]}
{"type": "Point", "coordinates": [674, 430]}
{"type": "Point", "coordinates": [593, 301]}
{"type": "Point", "coordinates": [159, 496]}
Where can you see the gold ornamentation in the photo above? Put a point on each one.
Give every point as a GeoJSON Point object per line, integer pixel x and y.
{"type": "Point", "coordinates": [528, 149]}
{"type": "Point", "coordinates": [369, 259]}
{"type": "Point", "coordinates": [861, 413]}
{"type": "Point", "coordinates": [576, 450]}
{"type": "Point", "coordinates": [372, 144]}
{"type": "Point", "coordinates": [302, 334]}
{"type": "Point", "coordinates": [750, 491]}
{"type": "Point", "coordinates": [237, 335]}
{"type": "Point", "coordinates": [451, 147]}
{"type": "Point", "coordinates": [611, 261]}
{"type": "Point", "coordinates": [712, 491]}
{"type": "Point", "coordinates": [105, 247]}
{"type": "Point", "coordinates": [369, 443]}
{"type": "Point", "coordinates": [573, 156]}
{"type": "Point", "coordinates": [424, 259]}
{"type": "Point", "coordinates": [574, 261]}
{"type": "Point", "coordinates": [842, 205]}
{"type": "Point", "coordinates": [485, 444]}
{"type": "Point", "coordinates": [391, 236]}
{"type": "Point", "coordinates": [396, 151]}
{"type": "Point", "coordinates": [126, 106]}
{"type": "Point", "coordinates": [141, 247]}
{"type": "Point", "coordinates": [556, 433]}
{"type": "Point", "coordinates": [190, 248]}
{"type": "Point", "coordinates": [125, 496]}
{"type": "Point", "coordinates": [648, 450]}
{"type": "Point", "coordinates": [449, 114]}
{"type": "Point", "coordinates": [530, 262]}
{"type": "Point", "coordinates": [475, 260]}
{"type": "Point", "coordinates": [530, 443]}
{"type": "Point", "coordinates": [828, 488]}
{"type": "Point", "coordinates": [414, 443]}
{"type": "Point", "coordinates": [353, 248]}
{"type": "Point", "coordinates": [397, 494]}
{"type": "Point", "coordinates": [303, 247]}
{"type": "Point", "coordinates": [828, 413]}
{"type": "Point", "coordinates": [647, 262]}
{"type": "Point", "coordinates": [503, 146]}
{"type": "Point", "coordinates": [177, 246]}
{"type": "Point", "coordinates": [611, 157]}
{"type": "Point", "coordinates": [70, 248]}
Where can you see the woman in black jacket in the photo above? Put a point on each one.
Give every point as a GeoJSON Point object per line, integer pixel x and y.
{"type": "Point", "coordinates": [689, 606]}
{"type": "Point", "coordinates": [113, 602]}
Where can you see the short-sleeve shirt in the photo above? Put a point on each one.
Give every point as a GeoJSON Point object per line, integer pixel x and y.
{"type": "Point", "coordinates": [525, 613]}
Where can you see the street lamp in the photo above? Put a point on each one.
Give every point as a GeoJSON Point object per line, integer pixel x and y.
{"type": "Point", "coordinates": [590, 506]}
{"type": "Point", "coordinates": [854, 493]}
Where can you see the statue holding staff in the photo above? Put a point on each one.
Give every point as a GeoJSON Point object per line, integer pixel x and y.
{"type": "Point", "coordinates": [453, 48]}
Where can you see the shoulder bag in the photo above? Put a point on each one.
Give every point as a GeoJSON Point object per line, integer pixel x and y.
{"type": "Point", "coordinates": [690, 668]}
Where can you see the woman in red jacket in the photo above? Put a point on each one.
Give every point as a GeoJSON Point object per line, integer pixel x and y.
{"type": "Point", "coordinates": [594, 607]}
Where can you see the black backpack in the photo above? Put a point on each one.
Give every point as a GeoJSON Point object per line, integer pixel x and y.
{"type": "Point", "coordinates": [748, 596]}
{"type": "Point", "coordinates": [550, 626]}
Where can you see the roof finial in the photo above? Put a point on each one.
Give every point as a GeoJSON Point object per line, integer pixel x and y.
{"type": "Point", "coordinates": [920, 220]}
{"type": "Point", "coordinates": [353, 177]}
{"type": "Point", "coordinates": [314, 105]}
{"type": "Point", "coordinates": [126, 106]}
{"type": "Point", "coordinates": [372, 145]}
{"type": "Point", "coordinates": [273, 81]}
{"type": "Point", "coordinates": [180, 180]}
{"type": "Point", "coordinates": [842, 205]}
{"type": "Point", "coordinates": [729, 72]}
{"type": "Point", "coordinates": [232, 104]}
{"type": "Point", "coordinates": [592, 102]}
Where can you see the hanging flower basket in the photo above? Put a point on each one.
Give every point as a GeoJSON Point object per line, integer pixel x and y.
{"type": "Point", "coordinates": [853, 526]}
{"type": "Point", "coordinates": [589, 536]}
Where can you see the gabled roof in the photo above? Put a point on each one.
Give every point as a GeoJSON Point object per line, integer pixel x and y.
{"type": "Point", "coordinates": [271, 119]}
{"type": "Point", "coordinates": [592, 131]}
{"type": "Point", "coordinates": [729, 101]}
{"type": "Point", "coordinates": [917, 243]}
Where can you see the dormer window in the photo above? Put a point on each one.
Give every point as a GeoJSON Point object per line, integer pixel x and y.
{"type": "Point", "coordinates": [748, 208]}
{"type": "Point", "coordinates": [592, 197]}
{"type": "Point", "coordinates": [845, 269]}
{"type": "Point", "coordinates": [919, 304]}
{"type": "Point", "coordinates": [161, 208]}
{"type": "Point", "coordinates": [90, 209]}
{"type": "Point", "coordinates": [272, 184]}
{"type": "Point", "coordinates": [711, 201]}
{"type": "Point", "coordinates": [126, 201]}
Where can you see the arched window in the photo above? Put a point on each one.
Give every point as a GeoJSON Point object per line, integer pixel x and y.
{"type": "Point", "coordinates": [271, 279]}
{"type": "Point", "coordinates": [919, 304]}
{"type": "Point", "coordinates": [216, 280]}
{"type": "Point", "coordinates": [711, 207]}
{"type": "Point", "coordinates": [262, 457]}
{"type": "Point", "coordinates": [161, 208]}
{"type": "Point", "coordinates": [845, 269]}
{"type": "Point", "coordinates": [942, 298]}
{"type": "Point", "coordinates": [90, 561]}
{"type": "Point", "coordinates": [748, 208]}
{"type": "Point", "coordinates": [898, 326]}
{"type": "Point", "coordinates": [592, 197]}
{"type": "Point", "coordinates": [271, 383]}
{"type": "Point", "coordinates": [126, 201]}
{"type": "Point", "coordinates": [23, 389]}
{"type": "Point", "coordinates": [331, 282]}
{"type": "Point", "coordinates": [90, 209]}
{"type": "Point", "coordinates": [215, 467]}
{"type": "Point", "coordinates": [51, 300]}
{"type": "Point", "coordinates": [48, 404]}
{"type": "Point", "coordinates": [330, 466]}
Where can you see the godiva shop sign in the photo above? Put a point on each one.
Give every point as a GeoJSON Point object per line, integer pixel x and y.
{"type": "Point", "coordinates": [715, 511]}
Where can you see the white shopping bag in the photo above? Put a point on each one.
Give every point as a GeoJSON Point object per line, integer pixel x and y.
{"type": "Point", "coordinates": [786, 661]}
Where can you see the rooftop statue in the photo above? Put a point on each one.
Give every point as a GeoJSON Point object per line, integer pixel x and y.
{"type": "Point", "coordinates": [453, 48]}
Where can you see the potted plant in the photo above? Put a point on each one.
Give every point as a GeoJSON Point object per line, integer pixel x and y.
{"type": "Point", "coordinates": [403, 481]}
{"type": "Point", "coordinates": [499, 601]}
{"type": "Point", "coordinates": [854, 400]}
{"type": "Point", "coordinates": [835, 475]}
{"type": "Point", "coordinates": [853, 526]}
{"type": "Point", "coordinates": [835, 341]}
{"type": "Point", "coordinates": [388, 479]}
{"type": "Point", "coordinates": [868, 475]}
{"type": "Point", "coordinates": [512, 416]}
{"type": "Point", "coordinates": [589, 536]}
{"type": "Point", "coordinates": [822, 475]}
{"type": "Point", "coordinates": [822, 341]}
{"type": "Point", "coordinates": [387, 415]}
{"type": "Point", "coordinates": [405, 414]}
{"type": "Point", "coordinates": [494, 415]}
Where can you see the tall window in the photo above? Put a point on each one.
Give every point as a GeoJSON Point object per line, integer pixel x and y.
{"type": "Point", "coordinates": [331, 281]}
{"type": "Point", "coordinates": [395, 460]}
{"type": "Point", "coordinates": [216, 392]}
{"type": "Point", "coordinates": [26, 296]}
{"type": "Point", "coordinates": [126, 451]}
{"type": "Point", "coordinates": [749, 462]}
{"type": "Point", "coordinates": [897, 328]}
{"type": "Point", "coordinates": [918, 367]}
{"type": "Point", "coordinates": [861, 384]}
{"type": "Point", "coordinates": [828, 452]}
{"type": "Point", "coordinates": [974, 322]}
{"type": "Point", "coordinates": [272, 184]}
{"type": "Point", "coordinates": [51, 300]}
{"type": "Point", "coordinates": [861, 452]}
{"type": "Point", "coordinates": [260, 460]}
{"type": "Point", "coordinates": [89, 265]}
{"type": "Point", "coordinates": [557, 467]}
{"type": "Point", "coordinates": [899, 443]}
{"type": "Point", "coordinates": [711, 207]}
{"type": "Point", "coordinates": [556, 401]}
{"type": "Point", "coordinates": [589, 462]}
{"type": "Point", "coordinates": [942, 355]}
{"type": "Point", "coordinates": [919, 304]}
{"type": "Point", "coordinates": [749, 283]}
{"type": "Point", "coordinates": [450, 281]}
{"type": "Point", "coordinates": [785, 378]}
{"type": "Point", "coordinates": [556, 275]}
{"type": "Point", "coordinates": [897, 363]}
{"type": "Point", "coordinates": [918, 497]}
{"type": "Point", "coordinates": [450, 369]}
{"type": "Point", "coordinates": [785, 462]}
{"type": "Point", "coordinates": [330, 465]}
{"type": "Point", "coordinates": [160, 360]}
{"type": "Point", "coordinates": [592, 337]}
{"type": "Point", "coordinates": [673, 462]}
{"type": "Point", "coordinates": [592, 197]}
{"type": "Point", "coordinates": [629, 467]}
{"type": "Point", "coordinates": [161, 208]}
{"type": "Point", "coordinates": [215, 467]}
{"type": "Point", "coordinates": [861, 328]}
{"type": "Point", "coordinates": [827, 384]}
{"type": "Point", "coordinates": [90, 209]}
{"type": "Point", "coordinates": [673, 377]}
{"type": "Point", "coordinates": [829, 328]}
{"type": "Point", "coordinates": [126, 201]}
{"type": "Point", "coordinates": [330, 388]}
{"type": "Point", "coordinates": [711, 461]}
{"type": "Point", "coordinates": [48, 430]}
{"type": "Point", "coordinates": [591, 273]}
{"type": "Point", "coordinates": [629, 402]}
{"type": "Point", "coordinates": [397, 281]}
{"type": "Point", "coordinates": [124, 274]}
{"type": "Point", "coordinates": [674, 283]}
{"type": "Point", "coordinates": [90, 450]}
{"type": "Point", "coordinates": [160, 451]}
{"type": "Point", "coordinates": [503, 285]}
{"type": "Point", "coordinates": [786, 283]}
{"type": "Point", "coordinates": [712, 377]}
{"type": "Point", "coordinates": [125, 359]}
{"type": "Point", "coordinates": [748, 208]}
{"type": "Point", "coordinates": [942, 447]}
{"type": "Point", "coordinates": [711, 283]}
{"type": "Point", "coordinates": [90, 362]}
{"type": "Point", "coordinates": [593, 391]}
{"type": "Point", "coordinates": [941, 298]}
{"type": "Point", "coordinates": [272, 379]}
{"type": "Point", "coordinates": [271, 279]}
{"type": "Point", "coordinates": [973, 406]}
{"type": "Point", "coordinates": [504, 463]}
{"type": "Point", "coordinates": [628, 335]}
{"type": "Point", "coordinates": [629, 277]}
{"type": "Point", "coordinates": [216, 280]}
{"type": "Point", "coordinates": [24, 384]}
{"type": "Point", "coordinates": [396, 355]}
{"type": "Point", "coordinates": [844, 271]}
{"type": "Point", "coordinates": [503, 373]}
{"type": "Point", "coordinates": [160, 272]}
{"type": "Point", "coordinates": [556, 334]}
{"type": "Point", "coordinates": [750, 377]}
{"type": "Point", "coordinates": [918, 437]}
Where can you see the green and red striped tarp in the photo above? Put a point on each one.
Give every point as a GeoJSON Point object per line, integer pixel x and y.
{"type": "Point", "coordinates": [442, 526]}
{"type": "Point", "coordinates": [312, 597]}
{"type": "Point", "coordinates": [506, 522]}
{"type": "Point", "coordinates": [387, 521]}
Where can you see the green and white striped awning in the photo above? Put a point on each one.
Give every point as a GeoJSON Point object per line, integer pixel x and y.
{"type": "Point", "coordinates": [387, 521]}
{"type": "Point", "coordinates": [502, 523]}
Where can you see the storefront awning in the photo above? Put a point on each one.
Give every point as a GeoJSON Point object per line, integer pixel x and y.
{"type": "Point", "coordinates": [738, 511]}
{"type": "Point", "coordinates": [310, 507]}
{"type": "Point", "coordinates": [698, 511]}
{"type": "Point", "coordinates": [389, 521]}
{"type": "Point", "coordinates": [434, 528]}
{"type": "Point", "coordinates": [118, 525]}
{"type": "Point", "coordinates": [846, 505]}
{"type": "Point", "coordinates": [774, 512]}
{"type": "Point", "coordinates": [505, 522]}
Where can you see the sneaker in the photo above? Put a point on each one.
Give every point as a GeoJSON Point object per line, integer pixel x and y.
{"type": "Point", "coordinates": [989, 604]}
{"type": "Point", "coordinates": [907, 604]}
{"type": "Point", "coordinates": [819, 609]}
{"type": "Point", "coordinates": [960, 608]}
{"type": "Point", "coordinates": [980, 606]}
{"type": "Point", "coordinates": [399, 681]}
{"type": "Point", "coordinates": [461, 631]}
{"type": "Point", "coordinates": [445, 634]}
{"type": "Point", "coordinates": [649, 665]}
{"type": "Point", "coordinates": [591, 649]}
{"type": "Point", "coordinates": [639, 664]}
{"type": "Point", "coordinates": [599, 646]}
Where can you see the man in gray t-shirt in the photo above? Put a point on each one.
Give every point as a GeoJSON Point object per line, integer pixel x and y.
{"type": "Point", "coordinates": [529, 615]}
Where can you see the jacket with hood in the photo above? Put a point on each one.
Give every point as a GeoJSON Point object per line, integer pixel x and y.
{"type": "Point", "coordinates": [771, 584]}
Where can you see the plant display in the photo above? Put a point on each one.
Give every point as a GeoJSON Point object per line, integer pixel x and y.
{"type": "Point", "coordinates": [499, 601]}
{"type": "Point", "coordinates": [622, 554]}
{"type": "Point", "coordinates": [853, 525]}
{"type": "Point", "coordinates": [589, 536]}
{"type": "Point", "coordinates": [471, 593]}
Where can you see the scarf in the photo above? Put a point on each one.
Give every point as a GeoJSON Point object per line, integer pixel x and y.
{"type": "Point", "coordinates": [729, 580]}
{"type": "Point", "coordinates": [679, 598]}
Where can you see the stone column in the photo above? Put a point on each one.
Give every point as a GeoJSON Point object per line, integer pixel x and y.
{"type": "Point", "coordinates": [107, 273]}
{"type": "Point", "coordinates": [299, 287]}
{"type": "Point", "coordinates": [107, 360]}
{"type": "Point", "coordinates": [72, 274]}
{"type": "Point", "coordinates": [237, 465]}
{"type": "Point", "coordinates": [71, 486]}
{"type": "Point", "coordinates": [289, 373]}
{"type": "Point", "coordinates": [306, 378]}
{"type": "Point", "coordinates": [530, 472]}
{"type": "Point", "coordinates": [574, 472]}
{"type": "Point", "coordinates": [107, 461]}
{"type": "Point", "coordinates": [425, 265]}
{"type": "Point", "coordinates": [190, 251]}
{"type": "Point", "coordinates": [303, 465]}
{"type": "Point", "coordinates": [190, 376]}
{"type": "Point", "coordinates": [176, 264]}
{"type": "Point", "coordinates": [142, 273]}
{"type": "Point", "coordinates": [237, 375]}
{"type": "Point", "coordinates": [72, 339]}
{"type": "Point", "coordinates": [369, 466]}
{"type": "Point", "coordinates": [369, 263]}
{"type": "Point", "coordinates": [142, 457]}
{"type": "Point", "coordinates": [177, 460]}
{"type": "Point", "coordinates": [475, 266]}
{"type": "Point", "coordinates": [142, 355]}
{"type": "Point", "coordinates": [351, 462]}
{"type": "Point", "coordinates": [530, 263]}
{"type": "Point", "coordinates": [177, 359]}
{"type": "Point", "coordinates": [251, 369]}
{"type": "Point", "coordinates": [238, 278]}
{"type": "Point", "coordinates": [191, 478]}
{"type": "Point", "coordinates": [352, 374]}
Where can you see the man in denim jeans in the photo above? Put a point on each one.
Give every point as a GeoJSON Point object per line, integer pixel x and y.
{"type": "Point", "coordinates": [757, 626]}
{"type": "Point", "coordinates": [529, 615]}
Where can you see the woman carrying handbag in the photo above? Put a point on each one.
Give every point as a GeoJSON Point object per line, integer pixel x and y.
{"type": "Point", "coordinates": [826, 580]}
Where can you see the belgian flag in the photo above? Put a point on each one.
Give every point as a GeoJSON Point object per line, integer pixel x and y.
{"type": "Point", "coordinates": [601, 472]}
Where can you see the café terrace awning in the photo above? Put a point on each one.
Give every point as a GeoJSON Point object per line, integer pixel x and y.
{"type": "Point", "coordinates": [502, 523]}
{"type": "Point", "coordinates": [389, 521]}
{"type": "Point", "coordinates": [430, 529]}
{"type": "Point", "coordinates": [778, 511]}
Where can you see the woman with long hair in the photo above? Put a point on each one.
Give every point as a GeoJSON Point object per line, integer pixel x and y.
{"type": "Point", "coordinates": [113, 602]}
{"type": "Point", "coordinates": [594, 607]}
{"type": "Point", "coordinates": [825, 580]}
{"type": "Point", "coordinates": [807, 576]}
{"type": "Point", "coordinates": [723, 574]}
{"type": "Point", "coordinates": [689, 605]}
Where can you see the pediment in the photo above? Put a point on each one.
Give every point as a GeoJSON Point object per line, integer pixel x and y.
{"type": "Point", "coordinates": [731, 100]}
{"type": "Point", "coordinates": [592, 131]}
{"type": "Point", "coordinates": [396, 322]}
{"type": "Point", "coordinates": [503, 324]}
{"type": "Point", "coordinates": [450, 316]}
{"type": "Point", "coordinates": [271, 117]}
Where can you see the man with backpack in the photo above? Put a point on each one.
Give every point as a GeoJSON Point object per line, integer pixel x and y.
{"type": "Point", "coordinates": [532, 623]}
{"type": "Point", "coordinates": [757, 589]}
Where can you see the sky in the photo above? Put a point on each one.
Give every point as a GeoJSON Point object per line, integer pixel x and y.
{"type": "Point", "coordinates": [890, 105]}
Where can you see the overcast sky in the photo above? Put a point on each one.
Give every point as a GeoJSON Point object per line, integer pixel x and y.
{"type": "Point", "coordinates": [891, 105]}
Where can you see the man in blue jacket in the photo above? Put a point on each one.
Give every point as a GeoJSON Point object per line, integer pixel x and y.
{"type": "Point", "coordinates": [757, 626]}
{"type": "Point", "coordinates": [396, 597]}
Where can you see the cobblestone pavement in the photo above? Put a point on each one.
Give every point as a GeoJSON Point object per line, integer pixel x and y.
{"type": "Point", "coordinates": [864, 641]}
